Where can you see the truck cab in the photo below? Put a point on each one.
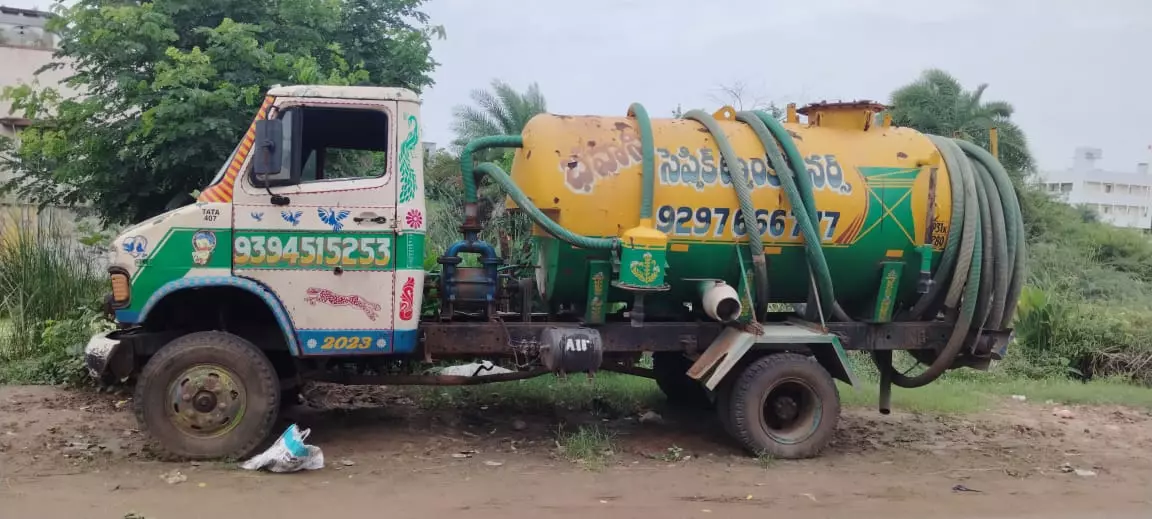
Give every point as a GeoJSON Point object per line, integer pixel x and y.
{"type": "Point", "coordinates": [308, 242]}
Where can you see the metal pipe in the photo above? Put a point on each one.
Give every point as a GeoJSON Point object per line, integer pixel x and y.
{"type": "Point", "coordinates": [424, 380]}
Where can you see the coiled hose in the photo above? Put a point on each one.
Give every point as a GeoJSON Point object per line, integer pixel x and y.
{"type": "Point", "coordinates": [983, 261]}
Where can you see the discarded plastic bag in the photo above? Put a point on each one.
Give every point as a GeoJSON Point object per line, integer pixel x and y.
{"type": "Point", "coordinates": [288, 454]}
{"type": "Point", "coordinates": [475, 369]}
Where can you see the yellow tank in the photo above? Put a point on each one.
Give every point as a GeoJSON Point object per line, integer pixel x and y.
{"type": "Point", "coordinates": [871, 184]}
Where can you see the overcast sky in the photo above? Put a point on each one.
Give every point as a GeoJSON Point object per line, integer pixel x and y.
{"type": "Point", "coordinates": [1079, 72]}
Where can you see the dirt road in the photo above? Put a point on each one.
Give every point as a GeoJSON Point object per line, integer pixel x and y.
{"type": "Point", "coordinates": [78, 455]}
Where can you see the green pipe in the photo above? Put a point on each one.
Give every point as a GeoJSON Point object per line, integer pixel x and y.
{"type": "Point", "coordinates": [509, 186]}
{"type": "Point", "coordinates": [741, 181]}
{"type": "Point", "coordinates": [801, 208]}
{"type": "Point", "coordinates": [467, 164]}
{"type": "Point", "coordinates": [647, 161]}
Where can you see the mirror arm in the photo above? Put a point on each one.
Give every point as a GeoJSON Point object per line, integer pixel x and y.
{"type": "Point", "coordinates": [267, 147]}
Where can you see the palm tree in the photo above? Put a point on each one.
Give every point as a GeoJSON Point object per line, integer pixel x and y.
{"type": "Point", "coordinates": [499, 111]}
{"type": "Point", "coordinates": [937, 104]}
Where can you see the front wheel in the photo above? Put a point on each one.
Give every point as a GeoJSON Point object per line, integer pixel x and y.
{"type": "Point", "coordinates": [783, 405]}
{"type": "Point", "coordinates": [207, 395]}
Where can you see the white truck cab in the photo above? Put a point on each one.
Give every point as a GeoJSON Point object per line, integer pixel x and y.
{"type": "Point", "coordinates": [308, 242]}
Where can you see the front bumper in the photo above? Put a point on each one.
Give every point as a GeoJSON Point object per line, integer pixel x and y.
{"type": "Point", "coordinates": [101, 356]}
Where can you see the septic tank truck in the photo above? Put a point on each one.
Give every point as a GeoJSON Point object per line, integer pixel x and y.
{"type": "Point", "coordinates": [745, 254]}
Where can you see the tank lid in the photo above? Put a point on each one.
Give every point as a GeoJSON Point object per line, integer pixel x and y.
{"type": "Point", "coordinates": [856, 115]}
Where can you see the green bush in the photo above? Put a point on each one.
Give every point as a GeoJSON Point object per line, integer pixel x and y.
{"type": "Point", "coordinates": [49, 289]}
{"type": "Point", "coordinates": [59, 357]}
{"type": "Point", "coordinates": [1087, 308]}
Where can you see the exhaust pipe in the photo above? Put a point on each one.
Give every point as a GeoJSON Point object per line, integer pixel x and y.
{"type": "Point", "coordinates": [720, 300]}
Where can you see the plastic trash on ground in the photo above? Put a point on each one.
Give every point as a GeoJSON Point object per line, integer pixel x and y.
{"type": "Point", "coordinates": [475, 369]}
{"type": "Point", "coordinates": [288, 454]}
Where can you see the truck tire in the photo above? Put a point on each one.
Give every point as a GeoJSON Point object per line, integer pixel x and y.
{"type": "Point", "coordinates": [671, 370]}
{"type": "Point", "coordinates": [782, 405]}
{"type": "Point", "coordinates": [207, 395]}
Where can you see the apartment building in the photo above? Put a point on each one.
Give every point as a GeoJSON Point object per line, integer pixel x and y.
{"type": "Point", "coordinates": [25, 47]}
{"type": "Point", "coordinates": [1123, 199]}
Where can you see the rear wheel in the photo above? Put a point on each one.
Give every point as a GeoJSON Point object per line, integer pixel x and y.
{"type": "Point", "coordinates": [207, 395]}
{"type": "Point", "coordinates": [783, 405]}
{"type": "Point", "coordinates": [671, 370]}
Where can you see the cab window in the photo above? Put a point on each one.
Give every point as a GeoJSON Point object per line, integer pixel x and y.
{"type": "Point", "coordinates": [323, 143]}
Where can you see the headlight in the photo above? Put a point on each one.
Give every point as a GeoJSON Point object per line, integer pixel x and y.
{"type": "Point", "coordinates": [121, 287]}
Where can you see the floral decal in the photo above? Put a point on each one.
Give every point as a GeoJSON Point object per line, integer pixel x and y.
{"type": "Point", "coordinates": [414, 218]}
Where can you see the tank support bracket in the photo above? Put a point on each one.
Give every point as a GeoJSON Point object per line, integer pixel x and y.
{"type": "Point", "coordinates": [733, 343]}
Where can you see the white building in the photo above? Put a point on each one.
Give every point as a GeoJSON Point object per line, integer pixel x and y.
{"type": "Point", "coordinates": [1120, 198]}
{"type": "Point", "coordinates": [25, 47]}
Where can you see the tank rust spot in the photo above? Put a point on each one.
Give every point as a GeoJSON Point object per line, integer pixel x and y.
{"type": "Point", "coordinates": [556, 200]}
{"type": "Point", "coordinates": [528, 155]}
{"type": "Point", "coordinates": [591, 144]}
{"type": "Point", "coordinates": [623, 126]}
{"type": "Point", "coordinates": [901, 155]}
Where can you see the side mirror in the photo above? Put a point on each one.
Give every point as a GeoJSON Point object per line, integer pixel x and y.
{"type": "Point", "coordinates": [269, 138]}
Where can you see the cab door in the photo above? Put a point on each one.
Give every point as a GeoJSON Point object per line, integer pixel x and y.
{"type": "Point", "coordinates": [321, 234]}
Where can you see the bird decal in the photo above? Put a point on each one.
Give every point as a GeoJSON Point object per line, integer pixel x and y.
{"type": "Point", "coordinates": [333, 217]}
{"type": "Point", "coordinates": [259, 217]}
{"type": "Point", "coordinates": [135, 246]}
{"type": "Point", "coordinates": [291, 217]}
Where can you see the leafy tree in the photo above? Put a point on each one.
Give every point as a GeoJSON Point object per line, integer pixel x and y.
{"type": "Point", "coordinates": [937, 104]}
{"type": "Point", "coordinates": [169, 87]}
{"type": "Point", "coordinates": [499, 111]}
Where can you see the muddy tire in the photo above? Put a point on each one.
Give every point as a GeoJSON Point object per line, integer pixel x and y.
{"type": "Point", "coordinates": [207, 395]}
{"type": "Point", "coordinates": [783, 405]}
{"type": "Point", "coordinates": [671, 370]}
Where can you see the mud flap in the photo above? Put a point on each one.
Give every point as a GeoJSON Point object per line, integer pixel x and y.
{"type": "Point", "coordinates": [734, 342]}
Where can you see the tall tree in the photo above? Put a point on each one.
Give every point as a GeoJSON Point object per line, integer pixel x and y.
{"type": "Point", "coordinates": [937, 104]}
{"type": "Point", "coordinates": [502, 110]}
{"type": "Point", "coordinates": [168, 87]}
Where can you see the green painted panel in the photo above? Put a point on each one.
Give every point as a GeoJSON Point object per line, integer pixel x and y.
{"type": "Point", "coordinates": [316, 250]}
{"type": "Point", "coordinates": [175, 255]}
{"type": "Point", "coordinates": [410, 251]}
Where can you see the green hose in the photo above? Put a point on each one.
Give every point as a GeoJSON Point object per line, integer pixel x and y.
{"type": "Point", "coordinates": [980, 273]}
{"type": "Point", "coordinates": [647, 159]}
{"type": "Point", "coordinates": [803, 210]}
{"type": "Point", "coordinates": [991, 237]}
{"type": "Point", "coordinates": [741, 181]}
{"type": "Point", "coordinates": [509, 186]}
{"type": "Point", "coordinates": [467, 166]}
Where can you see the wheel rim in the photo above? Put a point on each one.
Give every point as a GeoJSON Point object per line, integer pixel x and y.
{"type": "Point", "coordinates": [790, 411]}
{"type": "Point", "coordinates": [206, 400]}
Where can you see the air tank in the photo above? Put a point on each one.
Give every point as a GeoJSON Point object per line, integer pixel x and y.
{"type": "Point", "coordinates": [873, 185]}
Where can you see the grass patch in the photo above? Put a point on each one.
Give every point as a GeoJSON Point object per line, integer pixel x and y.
{"type": "Point", "coordinates": [606, 393]}
{"type": "Point", "coordinates": [590, 446]}
{"type": "Point", "coordinates": [765, 460]}
{"type": "Point", "coordinates": [956, 393]}
{"type": "Point", "coordinates": [962, 392]}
